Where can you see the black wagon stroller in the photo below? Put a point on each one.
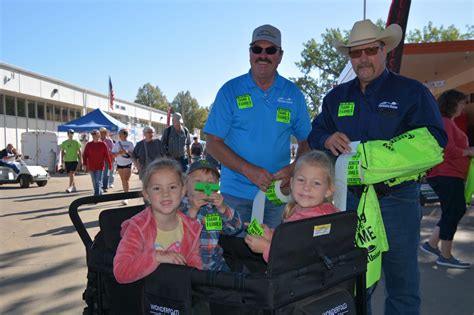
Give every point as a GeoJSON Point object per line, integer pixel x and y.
{"type": "Point", "coordinates": [313, 268]}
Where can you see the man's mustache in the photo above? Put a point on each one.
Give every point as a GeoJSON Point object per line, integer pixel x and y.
{"type": "Point", "coordinates": [264, 60]}
{"type": "Point", "coordinates": [365, 65]}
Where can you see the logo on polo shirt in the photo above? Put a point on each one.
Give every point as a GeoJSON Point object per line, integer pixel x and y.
{"type": "Point", "coordinates": [286, 100]}
{"type": "Point", "coordinates": [388, 105]}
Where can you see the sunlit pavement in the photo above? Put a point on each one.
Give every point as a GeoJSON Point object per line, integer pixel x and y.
{"type": "Point", "coordinates": [42, 259]}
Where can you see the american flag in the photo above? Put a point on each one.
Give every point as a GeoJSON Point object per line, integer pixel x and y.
{"type": "Point", "coordinates": [111, 95]}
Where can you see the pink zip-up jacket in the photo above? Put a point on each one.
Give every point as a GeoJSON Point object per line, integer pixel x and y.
{"type": "Point", "coordinates": [324, 209]}
{"type": "Point", "coordinates": [135, 257]}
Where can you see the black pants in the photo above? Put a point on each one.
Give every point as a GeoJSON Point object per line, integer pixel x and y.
{"type": "Point", "coordinates": [238, 255]}
{"type": "Point", "coordinates": [450, 191]}
{"type": "Point", "coordinates": [239, 258]}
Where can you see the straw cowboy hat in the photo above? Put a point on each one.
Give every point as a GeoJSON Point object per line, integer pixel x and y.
{"type": "Point", "coordinates": [365, 32]}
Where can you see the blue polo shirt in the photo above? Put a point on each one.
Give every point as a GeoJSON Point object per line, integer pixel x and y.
{"type": "Point", "coordinates": [257, 126]}
{"type": "Point", "coordinates": [391, 105]}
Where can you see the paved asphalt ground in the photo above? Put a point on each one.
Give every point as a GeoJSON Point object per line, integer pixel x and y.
{"type": "Point", "coordinates": [43, 269]}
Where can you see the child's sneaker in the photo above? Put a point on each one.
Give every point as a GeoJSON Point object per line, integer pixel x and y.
{"type": "Point", "coordinates": [74, 189]}
{"type": "Point", "coordinates": [452, 263]}
{"type": "Point", "coordinates": [427, 248]}
{"type": "Point", "coordinates": [125, 202]}
{"type": "Point", "coordinates": [69, 189]}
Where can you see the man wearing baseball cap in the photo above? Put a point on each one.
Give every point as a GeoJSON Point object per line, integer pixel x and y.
{"type": "Point", "coordinates": [147, 150]}
{"type": "Point", "coordinates": [249, 130]}
{"type": "Point", "coordinates": [381, 105]}
{"type": "Point", "coordinates": [177, 141]}
{"type": "Point", "coordinates": [71, 156]}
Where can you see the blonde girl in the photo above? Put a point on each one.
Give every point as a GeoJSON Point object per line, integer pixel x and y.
{"type": "Point", "coordinates": [312, 187]}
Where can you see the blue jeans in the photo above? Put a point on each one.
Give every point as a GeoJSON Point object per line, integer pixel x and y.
{"type": "Point", "coordinates": [11, 165]}
{"type": "Point", "coordinates": [96, 177]}
{"type": "Point", "coordinates": [112, 173]}
{"type": "Point", "coordinates": [401, 214]}
{"type": "Point", "coordinates": [105, 176]}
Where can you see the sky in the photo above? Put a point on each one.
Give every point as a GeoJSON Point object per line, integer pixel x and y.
{"type": "Point", "coordinates": [179, 45]}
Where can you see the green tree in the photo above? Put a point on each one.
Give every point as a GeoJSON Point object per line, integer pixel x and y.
{"type": "Point", "coordinates": [431, 34]}
{"type": "Point", "coordinates": [321, 64]}
{"type": "Point", "coordinates": [193, 115]}
{"type": "Point", "coordinates": [152, 96]}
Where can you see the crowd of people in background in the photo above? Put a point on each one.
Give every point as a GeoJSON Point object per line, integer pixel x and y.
{"type": "Point", "coordinates": [122, 156]}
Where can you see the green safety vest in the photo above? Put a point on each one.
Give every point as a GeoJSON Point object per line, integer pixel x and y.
{"type": "Point", "coordinates": [402, 158]}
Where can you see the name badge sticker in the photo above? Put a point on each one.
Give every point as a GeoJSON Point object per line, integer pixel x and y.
{"type": "Point", "coordinates": [283, 115]}
{"type": "Point", "coordinates": [213, 222]}
{"type": "Point", "coordinates": [346, 109]}
{"type": "Point", "coordinates": [244, 101]}
{"type": "Point", "coordinates": [322, 229]}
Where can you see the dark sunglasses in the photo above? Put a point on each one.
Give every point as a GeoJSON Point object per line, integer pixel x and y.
{"type": "Point", "coordinates": [370, 51]}
{"type": "Point", "coordinates": [269, 50]}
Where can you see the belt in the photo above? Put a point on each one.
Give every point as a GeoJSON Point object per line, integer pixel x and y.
{"type": "Point", "coordinates": [381, 189]}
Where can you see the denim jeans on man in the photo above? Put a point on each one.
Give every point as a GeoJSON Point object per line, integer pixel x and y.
{"type": "Point", "coordinates": [236, 253]}
{"type": "Point", "coordinates": [96, 177]}
{"type": "Point", "coordinates": [105, 176]}
{"type": "Point", "coordinates": [112, 173]}
{"type": "Point", "coordinates": [401, 214]}
{"type": "Point", "coordinates": [184, 163]}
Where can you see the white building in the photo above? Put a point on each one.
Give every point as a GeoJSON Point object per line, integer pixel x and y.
{"type": "Point", "coordinates": [32, 102]}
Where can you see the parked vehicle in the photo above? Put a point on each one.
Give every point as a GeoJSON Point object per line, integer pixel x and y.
{"type": "Point", "coordinates": [28, 174]}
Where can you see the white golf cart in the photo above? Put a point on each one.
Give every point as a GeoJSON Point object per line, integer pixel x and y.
{"type": "Point", "coordinates": [28, 174]}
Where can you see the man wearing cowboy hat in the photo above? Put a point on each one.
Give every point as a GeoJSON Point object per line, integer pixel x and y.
{"type": "Point", "coordinates": [379, 105]}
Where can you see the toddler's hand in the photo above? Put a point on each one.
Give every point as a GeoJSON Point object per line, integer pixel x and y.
{"type": "Point", "coordinates": [218, 201]}
{"type": "Point", "coordinates": [170, 257]}
{"type": "Point", "coordinates": [267, 232]}
{"type": "Point", "coordinates": [196, 200]}
{"type": "Point", "coordinates": [257, 243]}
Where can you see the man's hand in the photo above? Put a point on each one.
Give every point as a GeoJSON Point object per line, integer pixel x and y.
{"type": "Point", "coordinates": [259, 176]}
{"type": "Point", "coordinates": [170, 257]}
{"type": "Point", "coordinates": [284, 174]}
{"type": "Point", "coordinates": [338, 143]}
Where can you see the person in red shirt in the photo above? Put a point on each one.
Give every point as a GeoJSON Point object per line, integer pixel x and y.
{"type": "Point", "coordinates": [94, 158]}
{"type": "Point", "coordinates": [447, 180]}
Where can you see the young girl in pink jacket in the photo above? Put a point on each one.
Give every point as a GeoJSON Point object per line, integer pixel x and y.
{"type": "Point", "coordinates": [161, 233]}
{"type": "Point", "coordinates": [312, 186]}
